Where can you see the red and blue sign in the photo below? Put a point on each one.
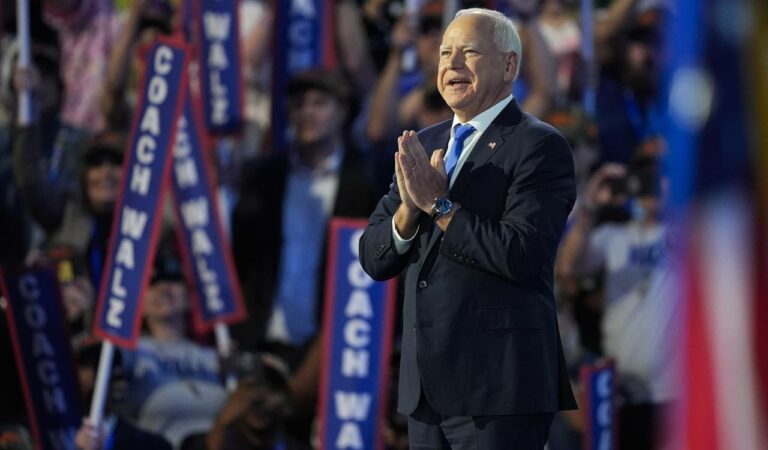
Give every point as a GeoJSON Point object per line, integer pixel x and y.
{"type": "Point", "coordinates": [206, 251]}
{"type": "Point", "coordinates": [357, 332]}
{"type": "Point", "coordinates": [138, 212]}
{"type": "Point", "coordinates": [220, 74]}
{"type": "Point", "coordinates": [43, 356]}
{"type": "Point", "coordinates": [304, 39]}
{"type": "Point", "coordinates": [599, 383]}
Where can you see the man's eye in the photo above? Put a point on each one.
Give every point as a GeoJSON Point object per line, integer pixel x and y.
{"type": "Point", "coordinates": [445, 53]}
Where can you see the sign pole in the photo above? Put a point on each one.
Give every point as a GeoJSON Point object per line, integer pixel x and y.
{"type": "Point", "coordinates": [102, 383]}
{"type": "Point", "coordinates": [224, 345]}
{"type": "Point", "coordinates": [588, 53]}
{"type": "Point", "coordinates": [22, 30]}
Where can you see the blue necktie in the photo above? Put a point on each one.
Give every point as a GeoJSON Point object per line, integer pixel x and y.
{"type": "Point", "coordinates": [460, 133]}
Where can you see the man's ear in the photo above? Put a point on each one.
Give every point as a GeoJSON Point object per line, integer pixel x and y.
{"type": "Point", "coordinates": [511, 66]}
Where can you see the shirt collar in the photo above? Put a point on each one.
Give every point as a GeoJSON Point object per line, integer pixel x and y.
{"type": "Point", "coordinates": [329, 165]}
{"type": "Point", "coordinates": [482, 121]}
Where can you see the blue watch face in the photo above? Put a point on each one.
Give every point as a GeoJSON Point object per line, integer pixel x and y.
{"type": "Point", "coordinates": [443, 206]}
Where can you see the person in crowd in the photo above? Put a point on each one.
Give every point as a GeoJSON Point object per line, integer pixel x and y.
{"type": "Point", "coordinates": [628, 110]}
{"type": "Point", "coordinates": [88, 32]}
{"type": "Point", "coordinates": [562, 35]}
{"type": "Point", "coordinates": [143, 23]}
{"type": "Point", "coordinates": [174, 385]}
{"type": "Point", "coordinates": [82, 220]}
{"type": "Point", "coordinates": [254, 414]}
{"type": "Point", "coordinates": [42, 80]}
{"type": "Point", "coordinates": [280, 223]}
{"type": "Point", "coordinates": [536, 86]}
{"type": "Point", "coordinates": [398, 93]}
{"type": "Point", "coordinates": [354, 49]}
{"type": "Point", "coordinates": [477, 227]}
{"type": "Point", "coordinates": [640, 310]}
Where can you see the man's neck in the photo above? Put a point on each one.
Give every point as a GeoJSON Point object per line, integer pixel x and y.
{"type": "Point", "coordinates": [465, 116]}
{"type": "Point", "coordinates": [313, 155]}
{"type": "Point", "coordinates": [166, 330]}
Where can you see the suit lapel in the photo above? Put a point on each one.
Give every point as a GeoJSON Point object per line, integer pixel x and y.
{"type": "Point", "coordinates": [479, 156]}
{"type": "Point", "coordinates": [490, 143]}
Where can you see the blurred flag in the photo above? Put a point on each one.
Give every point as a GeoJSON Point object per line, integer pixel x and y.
{"type": "Point", "coordinates": [715, 89]}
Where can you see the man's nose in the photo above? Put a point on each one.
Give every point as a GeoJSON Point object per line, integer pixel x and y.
{"type": "Point", "coordinates": [456, 60]}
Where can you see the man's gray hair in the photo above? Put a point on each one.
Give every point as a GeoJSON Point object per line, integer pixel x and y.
{"type": "Point", "coordinates": [504, 32]}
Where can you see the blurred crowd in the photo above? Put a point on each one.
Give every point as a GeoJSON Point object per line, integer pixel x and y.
{"type": "Point", "coordinates": [60, 177]}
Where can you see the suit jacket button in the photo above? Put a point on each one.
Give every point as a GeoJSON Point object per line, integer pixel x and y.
{"type": "Point", "coordinates": [423, 284]}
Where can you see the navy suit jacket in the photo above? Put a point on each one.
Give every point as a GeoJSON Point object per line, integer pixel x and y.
{"type": "Point", "coordinates": [480, 333]}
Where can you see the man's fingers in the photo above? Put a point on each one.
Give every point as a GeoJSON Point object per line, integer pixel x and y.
{"type": "Point", "coordinates": [399, 170]}
{"type": "Point", "coordinates": [406, 166]}
{"type": "Point", "coordinates": [437, 156]}
{"type": "Point", "coordinates": [401, 167]}
{"type": "Point", "coordinates": [438, 161]}
{"type": "Point", "coordinates": [405, 152]}
{"type": "Point", "coordinates": [416, 151]}
{"type": "Point", "coordinates": [412, 149]}
{"type": "Point", "coordinates": [612, 170]}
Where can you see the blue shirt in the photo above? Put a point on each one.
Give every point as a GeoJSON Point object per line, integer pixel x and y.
{"type": "Point", "coordinates": [308, 203]}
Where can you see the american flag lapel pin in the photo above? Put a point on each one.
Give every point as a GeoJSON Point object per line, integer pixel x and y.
{"type": "Point", "coordinates": [492, 145]}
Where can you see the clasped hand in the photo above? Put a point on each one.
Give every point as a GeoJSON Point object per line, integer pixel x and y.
{"type": "Point", "coordinates": [419, 179]}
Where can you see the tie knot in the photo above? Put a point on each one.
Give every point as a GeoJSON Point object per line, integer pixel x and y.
{"type": "Point", "coordinates": [462, 131]}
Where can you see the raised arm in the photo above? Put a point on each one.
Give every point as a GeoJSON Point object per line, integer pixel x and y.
{"type": "Point", "coordinates": [573, 259]}
{"type": "Point", "coordinates": [44, 200]}
{"type": "Point", "coordinates": [384, 103]}
{"type": "Point", "coordinates": [395, 212]}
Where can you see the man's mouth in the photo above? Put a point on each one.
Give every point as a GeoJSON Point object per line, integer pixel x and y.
{"type": "Point", "coordinates": [458, 82]}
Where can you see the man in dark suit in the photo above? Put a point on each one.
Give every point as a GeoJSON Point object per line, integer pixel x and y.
{"type": "Point", "coordinates": [477, 228]}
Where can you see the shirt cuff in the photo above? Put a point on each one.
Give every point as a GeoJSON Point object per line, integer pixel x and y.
{"type": "Point", "coordinates": [402, 245]}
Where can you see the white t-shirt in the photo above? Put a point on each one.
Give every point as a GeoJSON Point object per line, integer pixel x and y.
{"type": "Point", "coordinates": [174, 388]}
{"type": "Point", "coordinates": [641, 307]}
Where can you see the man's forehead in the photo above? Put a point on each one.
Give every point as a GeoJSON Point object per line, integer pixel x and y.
{"type": "Point", "coordinates": [470, 28]}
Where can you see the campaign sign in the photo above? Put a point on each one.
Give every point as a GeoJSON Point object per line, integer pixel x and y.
{"type": "Point", "coordinates": [207, 254]}
{"type": "Point", "coordinates": [357, 334]}
{"type": "Point", "coordinates": [220, 75]}
{"type": "Point", "coordinates": [304, 38]}
{"type": "Point", "coordinates": [599, 383]}
{"type": "Point", "coordinates": [137, 216]}
{"type": "Point", "coordinates": [43, 356]}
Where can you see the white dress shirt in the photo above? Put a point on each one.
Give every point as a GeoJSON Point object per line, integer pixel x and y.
{"type": "Point", "coordinates": [481, 122]}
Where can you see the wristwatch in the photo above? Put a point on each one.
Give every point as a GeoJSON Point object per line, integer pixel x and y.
{"type": "Point", "coordinates": [441, 207]}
